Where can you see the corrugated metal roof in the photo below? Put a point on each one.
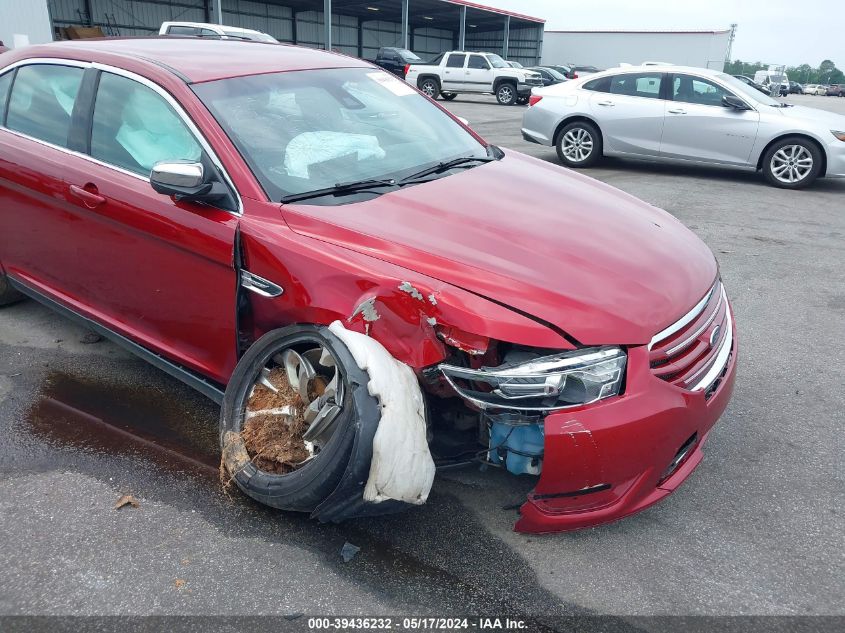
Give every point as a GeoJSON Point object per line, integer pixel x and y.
{"type": "Point", "coordinates": [482, 7]}
{"type": "Point", "coordinates": [648, 32]}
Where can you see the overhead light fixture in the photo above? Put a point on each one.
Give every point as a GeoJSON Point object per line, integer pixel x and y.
{"type": "Point", "coordinates": [372, 8]}
{"type": "Point", "coordinates": [427, 17]}
{"type": "Point", "coordinates": [472, 26]}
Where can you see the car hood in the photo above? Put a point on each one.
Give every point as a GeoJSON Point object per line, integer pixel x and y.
{"type": "Point", "coordinates": [516, 72]}
{"type": "Point", "coordinates": [597, 263]}
{"type": "Point", "coordinates": [815, 116]}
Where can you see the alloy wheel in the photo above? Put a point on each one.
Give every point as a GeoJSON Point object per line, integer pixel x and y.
{"type": "Point", "coordinates": [505, 94]}
{"type": "Point", "coordinates": [429, 89]}
{"type": "Point", "coordinates": [292, 409]}
{"type": "Point", "coordinates": [577, 144]}
{"type": "Point", "coordinates": [791, 163]}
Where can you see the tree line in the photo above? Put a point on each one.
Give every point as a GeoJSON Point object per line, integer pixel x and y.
{"type": "Point", "coordinates": [826, 73]}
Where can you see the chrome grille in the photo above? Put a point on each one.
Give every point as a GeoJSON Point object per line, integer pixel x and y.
{"type": "Point", "coordinates": [693, 352]}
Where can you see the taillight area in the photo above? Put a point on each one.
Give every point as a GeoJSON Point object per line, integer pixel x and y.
{"type": "Point", "coordinates": [407, 68]}
{"type": "Point", "coordinates": [534, 100]}
{"type": "Point", "coordinates": [575, 75]}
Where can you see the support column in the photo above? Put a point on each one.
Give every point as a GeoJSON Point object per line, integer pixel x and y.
{"type": "Point", "coordinates": [360, 38]}
{"type": "Point", "coordinates": [218, 11]}
{"type": "Point", "coordinates": [406, 43]}
{"type": "Point", "coordinates": [539, 58]}
{"type": "Point", "coordinates": [462, 31]}
{"type": "Point", "coordinates": [507, 36]}
{"type": "Point", "coordinates": [327, 24]}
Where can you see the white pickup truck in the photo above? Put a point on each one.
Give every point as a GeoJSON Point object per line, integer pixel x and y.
{"type": "Point", "coordinates": [456, 72]}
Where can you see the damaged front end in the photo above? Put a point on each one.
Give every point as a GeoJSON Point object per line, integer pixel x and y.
{"type": "Point", "coordinates": [514, 396]}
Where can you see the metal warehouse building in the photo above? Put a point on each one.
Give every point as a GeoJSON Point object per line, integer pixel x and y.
{"type": "Point", "coordinates": [358, 28]}
{"type": "Point", "coordinates": [606, 49]}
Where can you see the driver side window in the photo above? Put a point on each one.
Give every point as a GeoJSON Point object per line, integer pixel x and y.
{"type": "Point", "coordinates": [478, 62]}
{"type": "Point", "coordinates": [134, 127]}
{"type": "Point", "coordinates": [689, 89]}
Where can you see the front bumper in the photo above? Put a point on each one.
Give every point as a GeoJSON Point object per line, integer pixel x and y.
{"type": "Point", "coordinates": [524, 89]}
{"type": "Point", "coordinates": [606, 461]}
{"type": "Point", "coordinates": [836, 160]}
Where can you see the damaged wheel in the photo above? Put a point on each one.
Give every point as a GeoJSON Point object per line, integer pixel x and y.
{"type": "Point", "coordinates": [290, 416]}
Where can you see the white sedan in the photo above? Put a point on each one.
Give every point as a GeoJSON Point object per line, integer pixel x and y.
{"type": "Point", "coordinates": [691, 115]}
{"type": "Point", "coordinates": [815, 89]}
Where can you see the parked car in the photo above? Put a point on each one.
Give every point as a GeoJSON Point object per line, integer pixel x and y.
{"type": "Point", "coordinates": [514, 64]}
{"type": "Point", "coordinates": [457, 72]}
{"type": "Point", "coordinates": [396, 60]}
{"type": "Point", "coordinates": [686, 114]}
{"type": "Point", "coordinates": [213, 31]}
{"type": "Point", "coordinates": [583, 71]}
{"type": "Point", "coordinates": [815, 89]}
{"type": "Point", "coordinates": [836, 90]}
{"type": "Point", "coordinates": [749, 81]}
{"type": "Point", "coordinates": [350, 283]}
{"type": "Point", "coordinates": [549, 75]}
{"type": "Point", "coordinates": [564, 70]}
{"type": "Point", "coordinates": [795, 88]}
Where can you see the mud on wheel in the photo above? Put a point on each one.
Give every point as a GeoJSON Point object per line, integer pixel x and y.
{"type": "Point", "coordinates": [288, 422]}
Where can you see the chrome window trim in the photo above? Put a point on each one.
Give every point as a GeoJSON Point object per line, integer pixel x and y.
{"type": "Point", "coordinates": [684, 320]}
{"type": "Point", "coordinates": [199, 137]}
{"type": "Point", "coordinates": [722, 356]}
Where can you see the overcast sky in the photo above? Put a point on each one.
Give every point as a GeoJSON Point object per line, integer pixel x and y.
{"type": "Point", "coordinates": [774, 31]}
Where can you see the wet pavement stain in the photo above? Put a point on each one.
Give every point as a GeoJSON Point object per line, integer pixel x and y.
{"type": "Point", "coordinates": [119, 419]}
{"type": "Point", "coordinates": [400, 555]}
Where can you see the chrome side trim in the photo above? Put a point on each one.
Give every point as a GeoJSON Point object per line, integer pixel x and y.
{"type": "Point", "coordinates": [724, 353]}
{"type": "Point", "coordinates": [149, 84]}
{"type": "Point", "coordinates": [259, 285]}
{"type": "Point", "coordinates": [684, 320]}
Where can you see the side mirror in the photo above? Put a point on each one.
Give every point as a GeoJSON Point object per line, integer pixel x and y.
{"type": "Point", "coordinates": [730, 101]}
{"type": "Point", "coordinates": [186, 180]}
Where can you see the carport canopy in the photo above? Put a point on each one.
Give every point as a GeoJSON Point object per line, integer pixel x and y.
{"type": "Point", "coordinates": [458, 16]}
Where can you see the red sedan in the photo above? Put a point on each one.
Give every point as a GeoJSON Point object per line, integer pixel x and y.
{"type": "Point", "coordinates": [368, 288]}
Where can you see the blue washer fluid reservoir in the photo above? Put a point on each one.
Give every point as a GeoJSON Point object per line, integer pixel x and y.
{"type": "Point", "coordinates": [518, 446]}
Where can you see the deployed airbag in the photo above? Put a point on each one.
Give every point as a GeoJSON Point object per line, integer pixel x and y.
{"type": "Point", "coordinates": [313, 148]}
{"type": "Point", "coordinates": [402, 467]}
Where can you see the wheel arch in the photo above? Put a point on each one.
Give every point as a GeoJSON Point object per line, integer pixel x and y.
{"type": "Point", "coordinates": [801, 135]}
{"type": "Point", "coordinates": [422, 78]}
{"type": "Point", "coordinates": [498, 81]}
{"type": "Point", "coordinates": [572, 119]}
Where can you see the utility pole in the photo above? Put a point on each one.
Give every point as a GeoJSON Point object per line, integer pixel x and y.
{"type": "Point", "coordinates": [728, 59]}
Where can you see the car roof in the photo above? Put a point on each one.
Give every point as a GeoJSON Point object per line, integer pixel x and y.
{"type": "Point", "coordinates": [659, 68]}
{"type": "Point", "coordinates": [195, 60]}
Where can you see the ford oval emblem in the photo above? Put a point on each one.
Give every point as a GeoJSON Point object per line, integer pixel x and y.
{"type": "Point", "coordinates": [714, 335]}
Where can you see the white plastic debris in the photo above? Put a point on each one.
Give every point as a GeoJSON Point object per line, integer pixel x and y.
{"type": "Point", "coordinates": [312, 148]}
{"type": "Point", "coordinates": [402, 466]}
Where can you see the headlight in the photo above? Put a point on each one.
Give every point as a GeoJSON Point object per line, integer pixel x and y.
{"type": "Point", "coordinates": [542, 384]}
{"type": "Point", "coordinates": [838, 134]}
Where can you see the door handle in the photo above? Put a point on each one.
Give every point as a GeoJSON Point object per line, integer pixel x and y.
{"type": "Point", "coordinates": [606, 103]}
{"type": "Point", "coordinates": [467, 72]}
{"type": "Point", "coordinates": [88, 194]}
{"type": "Point", "coordinates": [677, 111]}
